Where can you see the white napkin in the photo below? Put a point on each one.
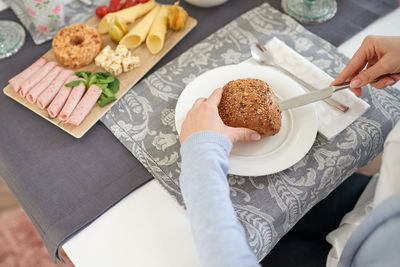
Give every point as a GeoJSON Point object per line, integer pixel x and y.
{"type": "Point", "coordinates": [330, 120]}
{"type": "Point", "coordinates": [3, 5]}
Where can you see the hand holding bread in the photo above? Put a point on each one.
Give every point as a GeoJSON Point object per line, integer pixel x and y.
{"type": "Point", "coordinates": [251, 103]}
{"type": "Point", "coordinates": [204, 117]}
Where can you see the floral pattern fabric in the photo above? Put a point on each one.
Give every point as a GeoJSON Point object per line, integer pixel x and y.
{"type": "Point", "coordinates": [43, 18]}
{"type": "Point", "coordinates": [267, 206]}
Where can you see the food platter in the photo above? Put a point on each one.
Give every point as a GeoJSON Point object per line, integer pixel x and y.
{"type": "Point", "coordinates": [270, 154]}
{"type": "Point", "coordinates": [127, 80]}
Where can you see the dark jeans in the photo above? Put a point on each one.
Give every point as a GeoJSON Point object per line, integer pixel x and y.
{"type": "Point", "coordinates": [305, 244]}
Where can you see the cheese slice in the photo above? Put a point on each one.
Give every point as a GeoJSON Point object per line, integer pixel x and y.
{"type": "Point", "coordinates": [126, 15]}
{"type": "Point", "coordinates": [156, 37]}
{"type": "Point", "coordinates": [138, 34]}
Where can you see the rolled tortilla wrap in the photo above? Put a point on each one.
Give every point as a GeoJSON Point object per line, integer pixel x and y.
{"type": "Point", "coordinates": [138, 33]}
{"type": "Point", "coordinates": [156, 37]}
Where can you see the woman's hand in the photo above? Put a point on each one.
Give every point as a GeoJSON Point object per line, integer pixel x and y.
{"type": "Point", "coordinates": [204, 117]}
{"type": "Point", "coordinates": [381, 56]}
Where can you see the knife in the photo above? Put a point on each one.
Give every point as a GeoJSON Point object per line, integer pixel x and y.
{"type": "Point", "coordinates": [315, 96]}
{"type": "Point", "coordinates": [311, 97]}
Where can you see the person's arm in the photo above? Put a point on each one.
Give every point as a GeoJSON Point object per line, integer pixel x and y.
{"type": "Point", "coordinates": [377, 57]}
{"type": "Point", "coordinates": [219, 239]}
{"type": "Point", "coordinates": [206, 144]}
{"type": "Point", "coordinates": [381, 187]}
{"type": "Point", "coordinates": [376, 241]}
{"type": "Point", "coordinates": [389, 179]}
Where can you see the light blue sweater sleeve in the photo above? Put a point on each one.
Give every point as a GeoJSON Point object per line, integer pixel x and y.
{"type": "Point", "coordinates": [376, 241]}
{"type": "Point", "coordinates": [218, 236]}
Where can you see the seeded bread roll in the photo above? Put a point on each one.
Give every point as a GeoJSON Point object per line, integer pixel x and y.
{"type": "Point", "coordinates": [250, 103]}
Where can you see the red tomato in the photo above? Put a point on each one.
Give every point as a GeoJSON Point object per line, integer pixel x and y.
{"type": "Point", "coordinates": [143, 1]}
{"type": "Point", "coordinates": [116, 5]}
{"type": "Point", "coordinates": [129, 3]}
{"type": "Point", "coordinates": [101, 11]}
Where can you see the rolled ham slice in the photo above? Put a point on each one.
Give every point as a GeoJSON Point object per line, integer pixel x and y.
{"type": "Point", "coordinates": [72, 101]}
{"type": "Point", "coordinates": [18, 79]}
{"type": "Point", "coordinates": [61, 97]}
{"type": "Point", "coordinates": [34, 93]}
{"type": "Point", "coordinates": [51, 91]}
{"type": "Point", "coordinates": [85, 105]}
{"type": "Point", "coordinates": [29, 83]}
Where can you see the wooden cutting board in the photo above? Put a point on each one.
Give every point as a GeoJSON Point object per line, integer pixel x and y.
{"type": "Point", "coordinates": [127, 80]}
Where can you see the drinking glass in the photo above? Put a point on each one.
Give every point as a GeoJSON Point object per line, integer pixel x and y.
{"type": "Point", "coordinates": [12, 37]}
{"type": "Point", "coordinates": [310, 11]}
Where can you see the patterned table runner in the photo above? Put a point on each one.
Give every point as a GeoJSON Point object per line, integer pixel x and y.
{"type": "Point", "coordinates": [267, 206]}
{"type": "Point", "coordinates": [90, 196]}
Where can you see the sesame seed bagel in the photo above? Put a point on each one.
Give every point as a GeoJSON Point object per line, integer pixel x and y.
{"type": "Point", "coordinates": [252, 104]}
{"type": "Point", "coordinates": [76, 45]}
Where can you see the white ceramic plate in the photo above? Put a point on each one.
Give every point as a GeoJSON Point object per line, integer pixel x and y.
{"type": "Point", "coordinates": [270, 154]}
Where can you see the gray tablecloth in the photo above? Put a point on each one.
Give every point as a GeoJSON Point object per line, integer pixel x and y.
{"type": "Point", "coordinates": [266, 206]}
{"type": "Point", "coordinates": [64, 183]}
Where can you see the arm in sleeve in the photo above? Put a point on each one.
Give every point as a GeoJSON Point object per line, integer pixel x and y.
{"type": "Point", "coordinates": [219, 239]}
{"type": "Point", "coordinates": [376, 241]}
{"type": "Point", "coordinates": [389, 179]}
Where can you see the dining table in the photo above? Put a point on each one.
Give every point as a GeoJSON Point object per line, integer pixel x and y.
{"type": "Point", "coordinates": [112, 198]}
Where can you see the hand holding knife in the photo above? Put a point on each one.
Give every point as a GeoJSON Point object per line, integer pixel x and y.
{"type": "Point", "coordinates": [311, 97]}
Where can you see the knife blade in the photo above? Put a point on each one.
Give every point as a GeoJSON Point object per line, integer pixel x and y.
{"type": "Point", "coordinates": [311, 97]}
{"type": "Point", "coordinates": [315, 96]}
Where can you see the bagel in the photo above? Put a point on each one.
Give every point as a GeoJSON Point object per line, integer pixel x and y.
{"type": "Point", "coordinates": [76, 45]}
{"type": "Point", "coordinates": [252, 104]}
